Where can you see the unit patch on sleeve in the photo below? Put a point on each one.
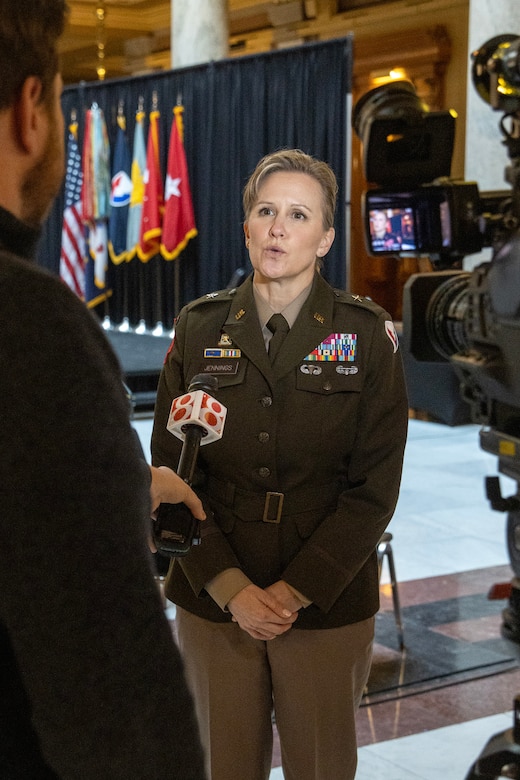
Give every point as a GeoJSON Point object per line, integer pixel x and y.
{"type": "Point", "coordinates": [337, 346]}
{"type": "Point", "coordinates": [392, 334]}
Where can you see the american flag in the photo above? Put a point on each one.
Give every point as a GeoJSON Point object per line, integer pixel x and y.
{"type": "Point", "coordinates": [73, 246]}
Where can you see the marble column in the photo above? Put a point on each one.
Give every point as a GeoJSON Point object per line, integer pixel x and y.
{"type": "Point", "coordinates": [486, 156]}
{"type": "Point", "coordinates": [200, 31]}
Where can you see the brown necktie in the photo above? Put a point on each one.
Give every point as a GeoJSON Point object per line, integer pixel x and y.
{"type": "Point", "coordinates": [279, 327]}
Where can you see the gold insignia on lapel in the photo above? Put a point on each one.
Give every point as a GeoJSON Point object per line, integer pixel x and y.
{"type": "Point", "coordinates": [319, 317]}
{"type": "Point", "coordinates": [224, 341]}
{"type": "Point", "coordinates": [239, 314]}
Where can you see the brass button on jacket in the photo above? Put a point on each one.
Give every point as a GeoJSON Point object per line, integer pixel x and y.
{"type": "Point", "coordinates": [334, 451]}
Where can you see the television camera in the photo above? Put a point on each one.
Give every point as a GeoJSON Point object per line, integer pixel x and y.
{"type": "Point", "coordinates": [470, 319]}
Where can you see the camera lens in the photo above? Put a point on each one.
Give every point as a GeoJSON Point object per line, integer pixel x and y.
{"type": "Point", "coordinates": [445, 316]}
{"type": "Point", "coordinates": [397, 99]}
{"type": "Point", "coordinates": [498, 60]}
{"type": "Point", "coordinates": [511, 64]}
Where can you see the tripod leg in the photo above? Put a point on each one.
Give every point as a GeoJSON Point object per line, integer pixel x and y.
{"type": "Point", "coordinates": [500, 751]}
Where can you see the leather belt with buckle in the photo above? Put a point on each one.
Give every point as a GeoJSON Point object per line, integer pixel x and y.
{"type": "Point", "coordinates": [273, 507]}
{"type": "Point", "coordinates": [266, 507]}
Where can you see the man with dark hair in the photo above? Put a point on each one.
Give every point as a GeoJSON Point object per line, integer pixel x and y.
{"type": "Point", "coordinates": [91, 682]}
{"type": "Point", "coordinates": [28, 36]}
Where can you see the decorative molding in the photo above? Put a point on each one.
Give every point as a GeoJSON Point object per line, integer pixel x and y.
{"type": "Point", "coordinates": [423, 53]}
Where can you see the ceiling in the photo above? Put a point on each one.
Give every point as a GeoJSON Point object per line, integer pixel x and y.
{"type": "Point", "coordinates": [134, 35]}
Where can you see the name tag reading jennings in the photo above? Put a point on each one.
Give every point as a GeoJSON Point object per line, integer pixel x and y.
{"type": "Point", "coordinates": [221, 360]}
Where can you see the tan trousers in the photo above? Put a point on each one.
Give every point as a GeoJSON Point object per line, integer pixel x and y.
{"type": "Point", "coordinates": [314, 681]}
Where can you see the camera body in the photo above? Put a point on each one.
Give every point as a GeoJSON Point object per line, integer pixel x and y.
{"type": "Point", "coordinates": [440, 219]}
{"type": "Point", "coordinates": [413, 207]}
{"type": "Point", "coordinates": [467, 320]}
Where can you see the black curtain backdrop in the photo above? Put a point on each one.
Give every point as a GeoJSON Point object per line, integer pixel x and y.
{"type": "Point", "coordinates": [235, 111]}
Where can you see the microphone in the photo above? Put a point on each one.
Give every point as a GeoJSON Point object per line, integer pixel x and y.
{"type": "Point", "coordinates": [196, 418]}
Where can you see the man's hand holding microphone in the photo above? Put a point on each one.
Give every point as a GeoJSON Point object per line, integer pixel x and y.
{"type": "Point", "coordinates": [196, 418]}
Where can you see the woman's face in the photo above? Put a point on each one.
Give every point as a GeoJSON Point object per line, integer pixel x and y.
{"type": "Point", "coordinates": [284, 231]}
{"type": "Point", "coordinates": [379, 224]}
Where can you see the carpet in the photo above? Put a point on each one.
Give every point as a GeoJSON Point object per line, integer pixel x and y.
{"type": "Point", "coordinates": [446, 642]}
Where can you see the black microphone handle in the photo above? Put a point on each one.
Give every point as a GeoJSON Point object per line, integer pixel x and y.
{"type": "Point", "coordinates": [190, 449]}
{"type": "Point", "coordinates": [175, 529]}
{"type": "Point", "coordinates": [193, 433]}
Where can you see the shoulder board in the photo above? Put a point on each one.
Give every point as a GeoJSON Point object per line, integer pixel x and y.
{"type": "Point", "coordinates": [357, 300]}
{"type": "Point", "coordinates": [219, 295]}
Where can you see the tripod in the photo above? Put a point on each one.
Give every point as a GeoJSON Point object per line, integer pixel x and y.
{"type": "Point", "coordinates": [500, 754]}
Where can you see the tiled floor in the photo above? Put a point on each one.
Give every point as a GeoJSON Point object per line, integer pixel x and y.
{"type": "Point", "coordinates": [447, 541]}
{"type": "Point", "coordinates": [448, 544]}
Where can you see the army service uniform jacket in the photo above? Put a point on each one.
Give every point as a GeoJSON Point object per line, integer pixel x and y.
{"type": "Point", "coordinates": [306, 476]}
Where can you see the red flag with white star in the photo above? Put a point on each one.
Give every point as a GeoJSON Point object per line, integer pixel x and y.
{"type": "Point", "coordinates": [179, 219]}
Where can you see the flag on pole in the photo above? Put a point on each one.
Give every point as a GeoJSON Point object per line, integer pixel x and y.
{"type": "Point", "coordinates": [153, 201]}
{"type": "Point", "coordinates": [137, 193]}
{"type": "Point", "coordinates": [179, 220]}
{"type": "Point", "coordinates": [96, 205]}
{"type": "Point", "coordinates": [121, 189]}
{"type": "Point", "coordinates": [73, 248]}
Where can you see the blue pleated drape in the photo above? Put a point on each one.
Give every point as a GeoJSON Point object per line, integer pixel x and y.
{"type": "Point", "coordinates": [235, 111]}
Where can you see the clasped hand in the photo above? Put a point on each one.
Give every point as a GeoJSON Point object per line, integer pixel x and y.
{"type": "Point", "coordinates": [265, 613]}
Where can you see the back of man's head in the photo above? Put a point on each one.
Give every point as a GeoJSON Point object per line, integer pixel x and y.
{"type": "Point", "coordinates": [29, 31]}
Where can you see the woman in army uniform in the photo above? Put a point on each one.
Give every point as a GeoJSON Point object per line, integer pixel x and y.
{"type": "Point", "coordinates": [275, 608]}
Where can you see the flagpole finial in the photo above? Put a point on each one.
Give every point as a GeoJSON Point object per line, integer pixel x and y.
{"type": "Point", "coordinates": [179, 98]}
{"type": "Point", "coordinates": [155, 100]}
{"type": "Point", "coordinates": [140, 104]}
{"type": "Point", "coordinates": [121, 119]}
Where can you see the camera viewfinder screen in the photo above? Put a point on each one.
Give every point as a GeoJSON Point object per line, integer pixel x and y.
{"type": "Point", "coordinates": [392, 230]}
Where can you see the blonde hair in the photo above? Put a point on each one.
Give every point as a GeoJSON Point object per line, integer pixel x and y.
{"type": "Point", "coordinates": [296, 161]}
